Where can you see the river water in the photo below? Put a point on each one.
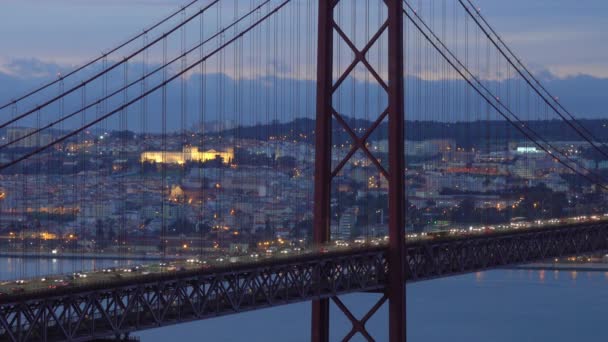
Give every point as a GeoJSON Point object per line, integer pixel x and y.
{"type": "Point", "coordinates": [496, 306]}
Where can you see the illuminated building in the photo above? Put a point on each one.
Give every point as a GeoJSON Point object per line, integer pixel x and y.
{"type": "Point", "coordinates": [527, 150]}
{"type": "Point", "coordinates": [188, 154]}
{"type": "Point", "coordinates": [26, 137]}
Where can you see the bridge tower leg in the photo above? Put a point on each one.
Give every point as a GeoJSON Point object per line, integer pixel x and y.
{"type": "Point", "coordinates": [395, 290]}
{"type": "Point", "coordinates": [322, 186]}
{"type": "Point", "coordinates": [396, 193]}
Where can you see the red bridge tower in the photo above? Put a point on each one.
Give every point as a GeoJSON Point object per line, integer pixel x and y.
{"type": "Point", "coordinates": [395, 290]}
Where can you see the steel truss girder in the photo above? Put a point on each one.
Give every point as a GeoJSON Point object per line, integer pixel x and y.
{"type": "Point", "coordinates": [117, 310]}
{"type": "Point", "coordinates": [433, 259]}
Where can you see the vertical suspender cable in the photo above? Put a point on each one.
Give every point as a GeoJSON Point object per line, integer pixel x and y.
{"type": "Point", "coordinates": [163, 190]}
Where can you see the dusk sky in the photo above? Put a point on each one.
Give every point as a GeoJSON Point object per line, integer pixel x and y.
{"type": "Point", "coordinates": [567, 37]}
{"type": "Point", "coordinates": [562, 41]}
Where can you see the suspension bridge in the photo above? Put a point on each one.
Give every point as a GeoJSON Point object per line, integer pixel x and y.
{"type": "Point", "coordinates": [238, 155]}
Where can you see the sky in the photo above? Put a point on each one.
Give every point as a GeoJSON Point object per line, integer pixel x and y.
{"type": "Point", "coordinates": [564, 41]}
{"type": "Point", "coordinates": [566, 37]}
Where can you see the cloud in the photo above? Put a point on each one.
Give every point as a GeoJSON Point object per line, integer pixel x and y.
{"type": "Point", "coordinates": [549, 35]}
{"type": "Point", "coordinates": [280, 67]}
{"type": "Point", "coordinates": [97, 3]}
{"type": "Point", "coordinates": [30, 68]}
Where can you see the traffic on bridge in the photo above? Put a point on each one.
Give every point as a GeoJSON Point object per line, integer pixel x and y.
{"type": "Point", "coordinates": [140, 272]}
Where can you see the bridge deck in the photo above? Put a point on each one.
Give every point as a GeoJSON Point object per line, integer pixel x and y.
{"type": "Point", "coordinates": [121, 306]}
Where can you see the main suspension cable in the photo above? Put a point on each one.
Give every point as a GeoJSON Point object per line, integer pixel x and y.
{"type": "Point", "coordinates": [100, 58]}
{"type": "Point", "coordinates": [494, 106]}
{"type": "Point", "coordinates": [129, 85]}
{"type": "Point", "coordinates": [112, 67]}
{"type": "Point", "coordinates": [531, 82]}
{"type": "Point", "coordinates": [136, 99]}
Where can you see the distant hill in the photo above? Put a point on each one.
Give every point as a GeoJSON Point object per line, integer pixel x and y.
{"type": "Point", "coordinates": [466, 134]}
{"type": "Point", "coordinates": [267, 98]}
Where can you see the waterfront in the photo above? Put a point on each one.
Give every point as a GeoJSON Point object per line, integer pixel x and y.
{"type": "Point", "coordinates": [501, 305]}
